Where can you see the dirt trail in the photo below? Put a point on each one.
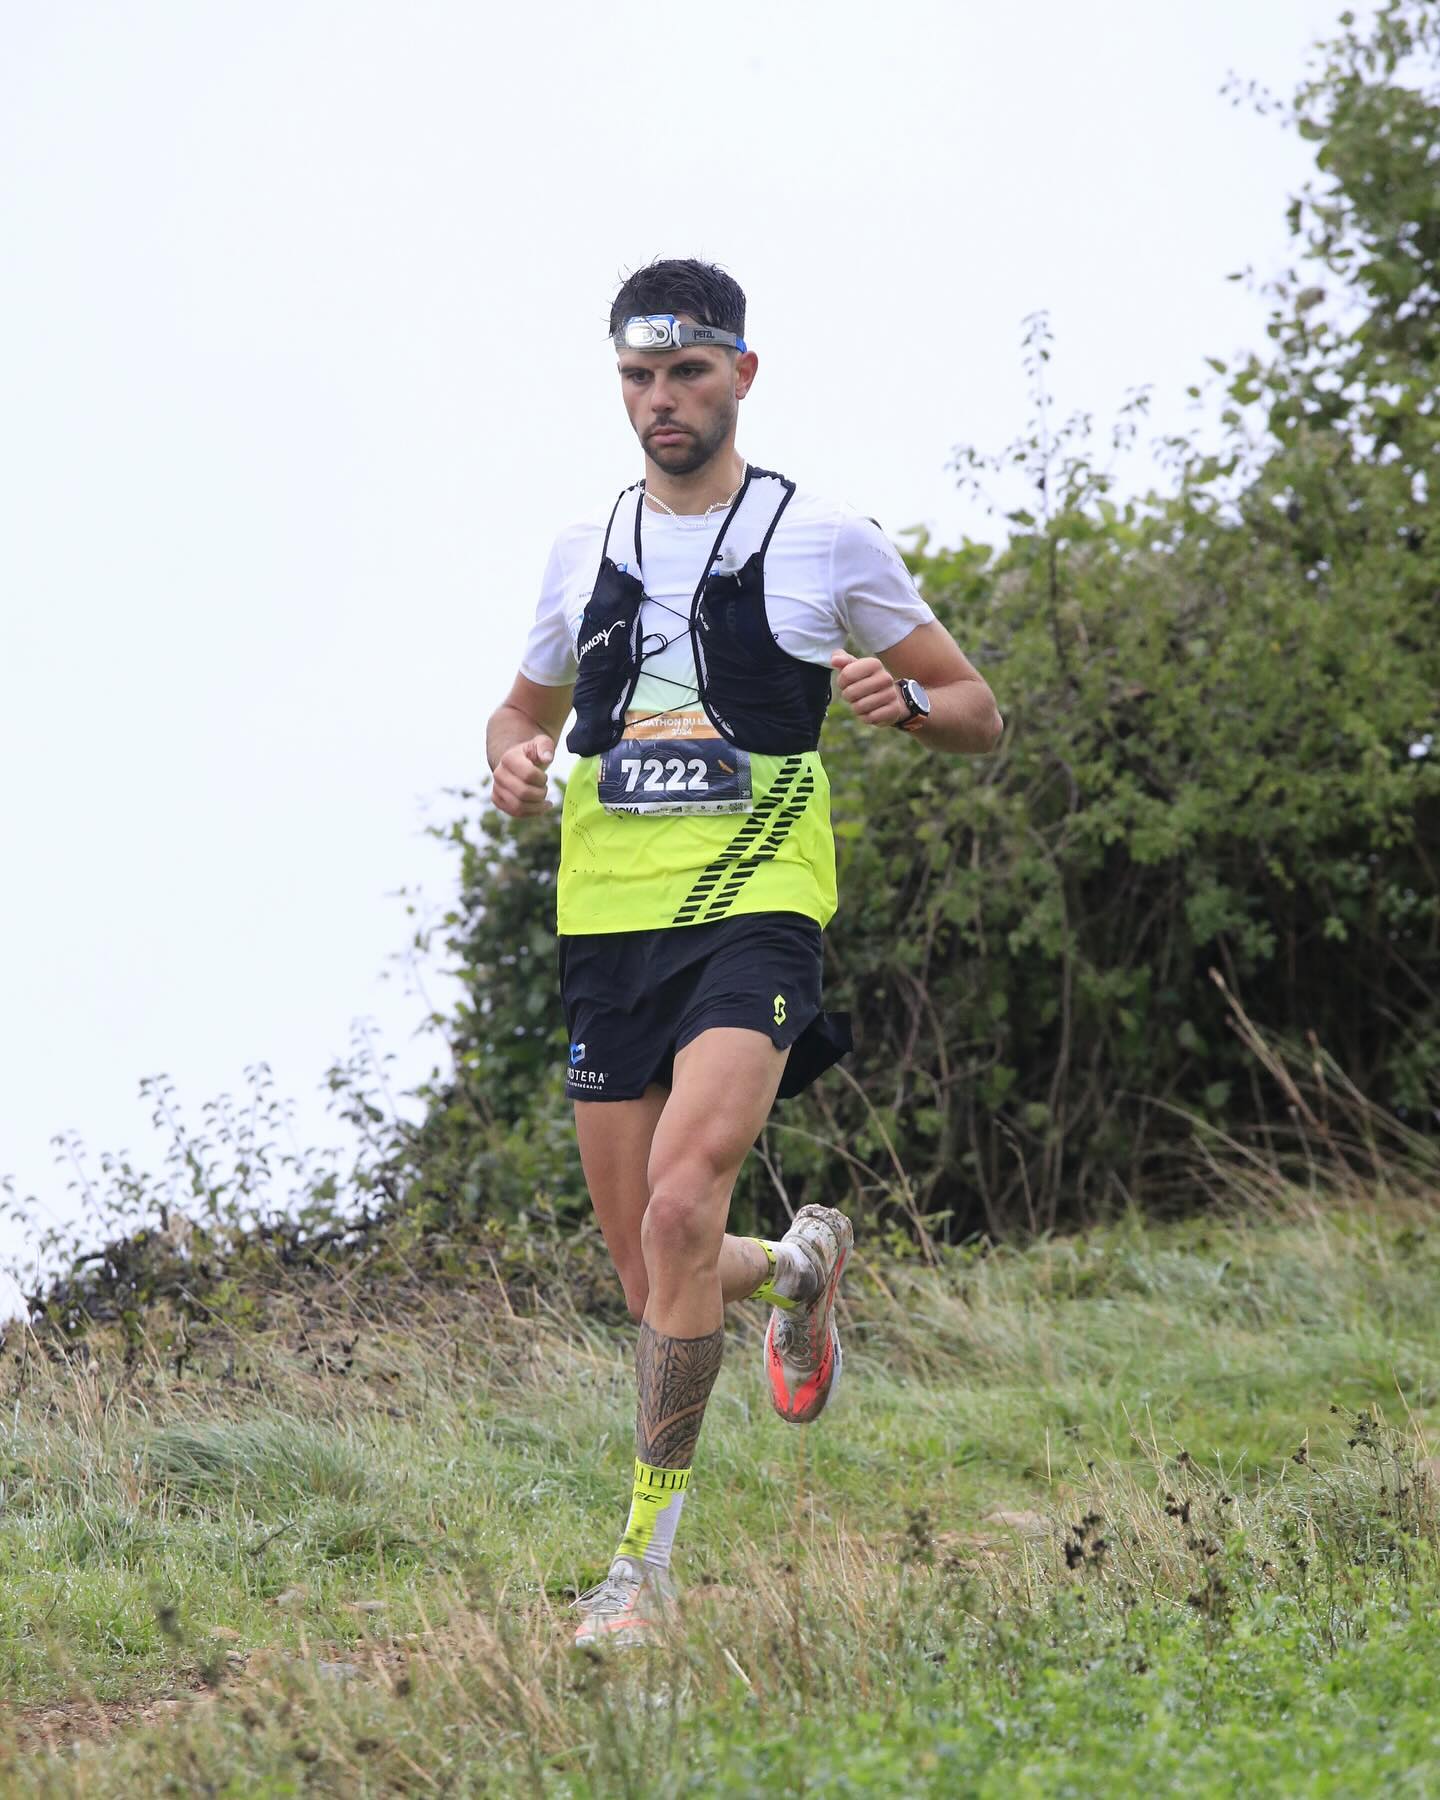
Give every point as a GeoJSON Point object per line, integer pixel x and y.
{"type": "Point", "coordinates": [61, 1723]}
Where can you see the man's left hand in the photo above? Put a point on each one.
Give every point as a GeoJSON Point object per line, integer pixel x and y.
{"type": "Point", "coordinates": [870, 689]}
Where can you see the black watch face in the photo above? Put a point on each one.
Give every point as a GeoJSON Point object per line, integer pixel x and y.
{"type": "Point", "coordinates": [918, 697]}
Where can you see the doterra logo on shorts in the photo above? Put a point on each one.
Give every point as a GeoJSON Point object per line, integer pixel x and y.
{"type": "Point", "coordinates": [583, 1077]}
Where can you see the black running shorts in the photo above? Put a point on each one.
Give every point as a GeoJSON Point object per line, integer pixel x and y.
{"type": "Point", "coordinates": [634, 998]}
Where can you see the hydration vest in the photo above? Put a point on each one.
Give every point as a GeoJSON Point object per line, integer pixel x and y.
{"type": "Point", "coordinates": [755, 694]}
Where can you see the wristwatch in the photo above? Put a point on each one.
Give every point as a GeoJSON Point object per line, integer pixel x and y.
{"type": "Point", "coordinates": [917, 702]}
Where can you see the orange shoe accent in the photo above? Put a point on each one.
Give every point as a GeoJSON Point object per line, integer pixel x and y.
{"type": "Point", "coordinates": [809, 1399]}
{"type": "Point", "coordinates": [802, 1401]}
{"type": "Point", "coordinates": [608, 1627]}
{"type": "Point", "coordinates": [817, 1351]}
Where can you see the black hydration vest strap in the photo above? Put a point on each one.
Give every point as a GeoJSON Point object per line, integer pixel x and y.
{"type": "Point", "coordinates": [610, 522]}
{"type": "Point", "coordinates": [787, 497]}
{"type": "Point", "coordinates": [689, 616]}
{"type": "Point", "coordinates": [702, 679]}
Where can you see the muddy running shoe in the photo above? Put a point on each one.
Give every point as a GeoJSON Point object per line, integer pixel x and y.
{"type": "Point", "coordinates": [802, 1344]}
{"type": "Point", "coordinates": [630, 1607]}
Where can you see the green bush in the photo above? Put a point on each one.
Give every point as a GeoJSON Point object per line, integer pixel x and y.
{"type": "Point", "coordinates": [1219, 760]}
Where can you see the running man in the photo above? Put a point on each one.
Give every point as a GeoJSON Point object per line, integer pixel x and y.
{"type": "Point", "coordinates": [693, 627]}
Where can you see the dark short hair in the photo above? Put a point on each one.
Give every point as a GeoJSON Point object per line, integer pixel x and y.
{"type": "Point", "coordinates": [681, 285]}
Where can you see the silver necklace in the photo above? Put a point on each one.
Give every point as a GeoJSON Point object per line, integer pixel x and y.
{"type": "Point", "coordinates": [718, 506]}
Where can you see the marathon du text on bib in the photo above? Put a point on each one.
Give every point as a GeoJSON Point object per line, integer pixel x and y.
{"type": "Point", "coordinates": [674, 763]}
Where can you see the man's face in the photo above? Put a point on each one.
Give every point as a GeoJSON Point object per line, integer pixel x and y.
{"type": "Point", "coordinates": [683, 404]}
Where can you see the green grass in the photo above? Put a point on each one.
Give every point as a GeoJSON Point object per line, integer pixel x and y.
{"type": "Point", "coordinates": [266, 1577]}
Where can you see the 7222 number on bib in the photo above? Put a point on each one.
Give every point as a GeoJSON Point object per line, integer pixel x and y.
{"type": "Point", "coordinates": [669, 775]}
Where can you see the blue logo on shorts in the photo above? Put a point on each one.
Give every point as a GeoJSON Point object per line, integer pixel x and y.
{"type": "Point", "coordinates": [577, 1055]}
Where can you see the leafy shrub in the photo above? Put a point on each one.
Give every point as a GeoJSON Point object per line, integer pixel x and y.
{"type": "Point", "coordinates": [1220, 760]}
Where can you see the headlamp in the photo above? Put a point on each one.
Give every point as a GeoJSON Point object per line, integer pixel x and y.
{"type": "Point", "coordinates": [663, 331]}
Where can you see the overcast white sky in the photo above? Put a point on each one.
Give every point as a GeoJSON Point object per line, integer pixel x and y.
{"type": "Point", "coordinates": [302, 364]}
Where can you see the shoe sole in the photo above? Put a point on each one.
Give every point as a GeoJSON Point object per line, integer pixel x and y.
{"type": "Point", "coordinates": [624, 1634]}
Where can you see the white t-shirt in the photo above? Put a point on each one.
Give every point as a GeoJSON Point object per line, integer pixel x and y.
{"type": "Point", "coordinates": [832, 580]}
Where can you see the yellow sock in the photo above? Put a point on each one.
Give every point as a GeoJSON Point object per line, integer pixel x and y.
{"type": "Point", "coordinates": [655, 1504]}
{"type": "Point", "coordinates": [767, 1289]}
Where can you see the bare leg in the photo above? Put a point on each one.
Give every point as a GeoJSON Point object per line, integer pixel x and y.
{"type": "Point", "coordinates": [671, 1204]}
{"type": "Point", "coordinates": [615, 1138]}
{"type": "Point", "coordinates": [743, 1266]}
{"type": "Point", "coordinates": [725, 1083]}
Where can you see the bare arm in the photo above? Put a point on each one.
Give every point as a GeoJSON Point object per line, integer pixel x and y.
{"type": "Point", "coordinates": [964, 719]}
{"type": "Point", "coordinates": [520, 743]}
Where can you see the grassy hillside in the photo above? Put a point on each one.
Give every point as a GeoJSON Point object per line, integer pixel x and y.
{"type": "Point", "coordinates": [1148, 1508]}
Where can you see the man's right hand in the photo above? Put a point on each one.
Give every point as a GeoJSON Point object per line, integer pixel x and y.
{"type": "Point", "coordinates": [518, 786]}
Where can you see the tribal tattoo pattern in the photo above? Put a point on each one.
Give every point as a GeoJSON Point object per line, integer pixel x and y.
{"type": "Point", "coordinates": [674, 1377]}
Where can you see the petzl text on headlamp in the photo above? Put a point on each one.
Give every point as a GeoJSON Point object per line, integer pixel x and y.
{"type": "Point", "coordinates": [663, 331]}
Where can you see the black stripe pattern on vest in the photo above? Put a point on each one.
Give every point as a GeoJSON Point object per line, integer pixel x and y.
{"type": "Point", "coordinates": [756, 842]}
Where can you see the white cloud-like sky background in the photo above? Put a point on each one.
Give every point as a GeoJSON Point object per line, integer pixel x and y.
{"type": "Point", "coordinates": [303, 364]}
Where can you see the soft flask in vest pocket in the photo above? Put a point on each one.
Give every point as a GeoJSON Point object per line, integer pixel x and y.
{"type": "Point", "coordinates": [608, 660]}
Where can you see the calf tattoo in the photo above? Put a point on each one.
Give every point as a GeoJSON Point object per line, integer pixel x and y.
{"type": "Point", "coordinates": [674, 1377]}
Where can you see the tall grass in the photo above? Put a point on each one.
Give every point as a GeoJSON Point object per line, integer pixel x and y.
{"type": "Point", "coordinates": [1124, 1505]}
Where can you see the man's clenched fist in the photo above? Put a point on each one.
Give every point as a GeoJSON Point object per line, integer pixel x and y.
{"type": "Point", "coordinates": [870, 689]}
{"type": "Point", "coordinates": [518, 785]}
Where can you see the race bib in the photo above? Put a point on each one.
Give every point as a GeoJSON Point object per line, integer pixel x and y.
{"type": "Point", "coordinates": [676, 763]}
